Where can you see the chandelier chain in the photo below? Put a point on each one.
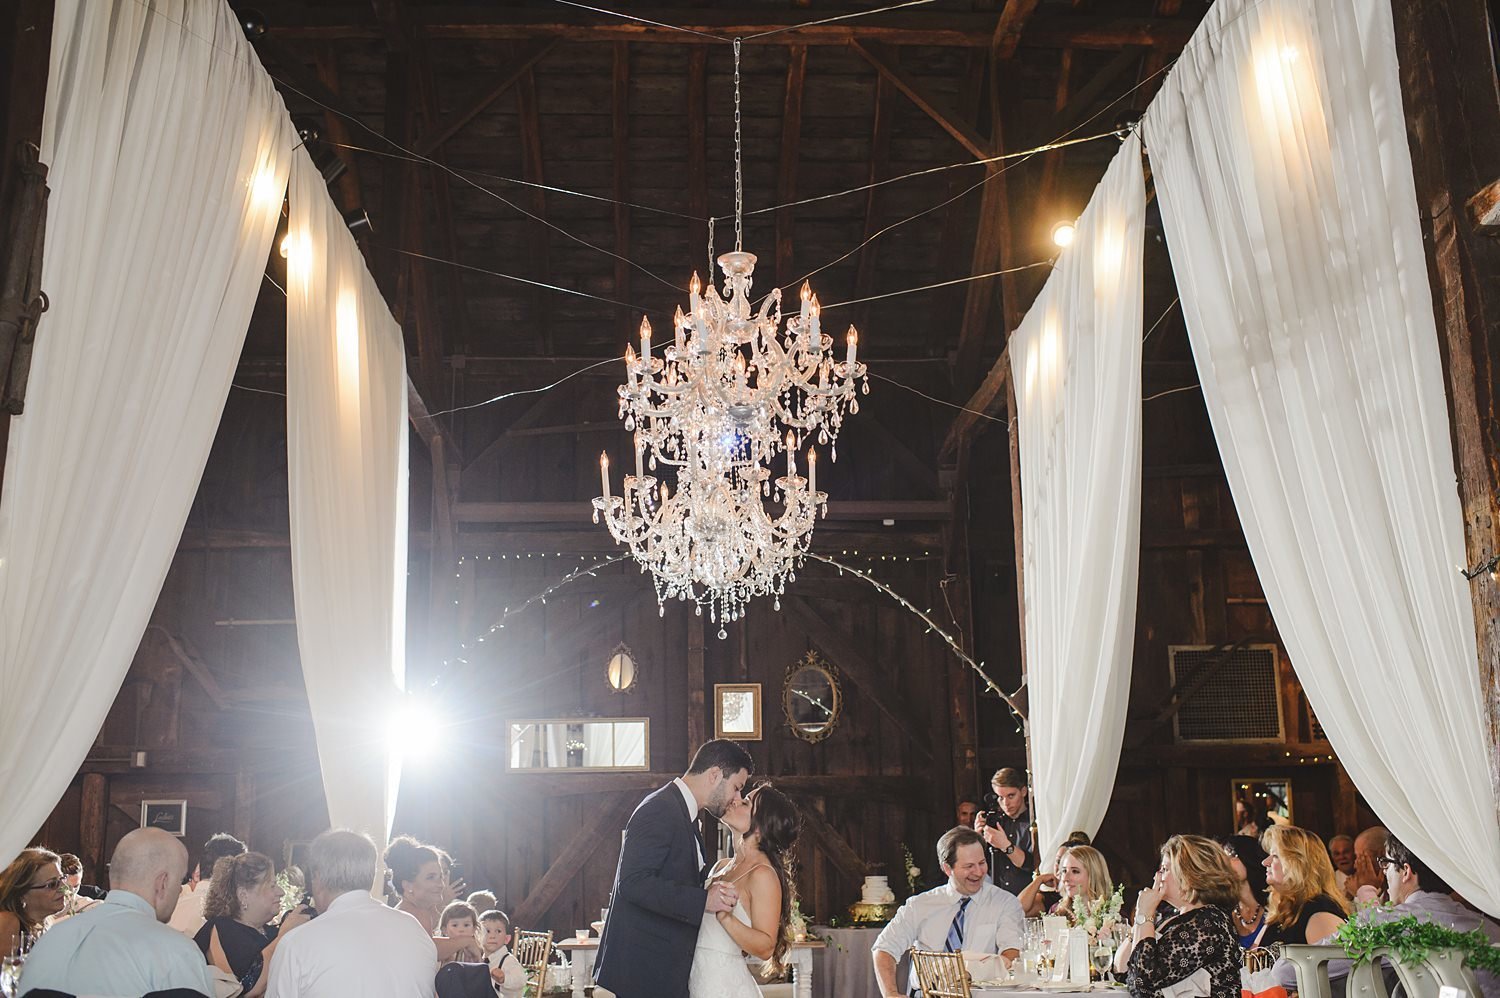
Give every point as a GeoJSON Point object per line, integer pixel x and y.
{"type": "Point", "coordinates": [739, 178]}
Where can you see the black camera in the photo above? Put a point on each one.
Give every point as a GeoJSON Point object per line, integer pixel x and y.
{"type": "Point", "coordinates": [992, 810]}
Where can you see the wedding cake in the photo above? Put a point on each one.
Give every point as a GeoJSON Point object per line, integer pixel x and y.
{"type": "Point", "coordinates": [877, 890]}
{"type": "Point", "coordinates": [877, 902]}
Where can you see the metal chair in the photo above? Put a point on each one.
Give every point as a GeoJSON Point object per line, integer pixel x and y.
{"type": "Point", "coordinates": [533, 950]}
{"type": "Point", "coordinates": [941, 975]}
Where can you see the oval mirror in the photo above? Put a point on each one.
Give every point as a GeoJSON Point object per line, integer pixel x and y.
{"type": "Point", "coordinates": [621, 670]}
{"type": "Point", "coordinates": [811, 698]}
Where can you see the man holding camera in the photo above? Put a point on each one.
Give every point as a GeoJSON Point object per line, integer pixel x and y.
{"type": "Point", "coordinates": [1006, 828]}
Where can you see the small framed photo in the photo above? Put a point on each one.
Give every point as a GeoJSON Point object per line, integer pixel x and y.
{"type": "Point", "coordinates": [737, 711]}
{"type": "Point", "coordinates": [168, 815]}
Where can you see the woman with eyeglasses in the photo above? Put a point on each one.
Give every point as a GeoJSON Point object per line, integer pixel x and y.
{"type": "Point", "coordinates": [31, 889]}
{"type": "Point", "coordinates": [1247, 859]}
{"type": "Point", "coordinates": [1306, 905]}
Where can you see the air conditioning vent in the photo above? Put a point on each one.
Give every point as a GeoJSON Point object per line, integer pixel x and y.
{"type": "Point", "coordinates": [1239, 702]}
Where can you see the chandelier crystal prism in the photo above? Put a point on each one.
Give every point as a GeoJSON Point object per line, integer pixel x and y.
{"type": "Point", "coordinates": [735, 390]}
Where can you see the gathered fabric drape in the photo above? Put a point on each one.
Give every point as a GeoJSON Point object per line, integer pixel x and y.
{"type": "Point", "coordinates": [1279, 152]}
{"type": "Point", "coordinates": [1076, 365]}
{"type": "Point", "coordinates": [347, 471]}
{"type": "Point", "coordinates": [169, 150]}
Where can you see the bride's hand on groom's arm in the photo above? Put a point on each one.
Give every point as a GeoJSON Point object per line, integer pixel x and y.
{"type": "Point", "coordinates": [721, 898]}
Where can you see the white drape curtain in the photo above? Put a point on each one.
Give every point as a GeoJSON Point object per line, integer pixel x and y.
{"type": "Point", "coordinates": [1076, 363]}
{"type": "Point", "coordinates": [1280, 156]}
{"type": "Point", "coordinates": [169, 151]}
{"type": "Point", "coordinates": [346, 460]}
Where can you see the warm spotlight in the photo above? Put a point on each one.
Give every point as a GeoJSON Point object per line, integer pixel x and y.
{"type": "Point", "coordinates": [415, 728]}
{"type": "Point", "coordinates": [1062, 234]}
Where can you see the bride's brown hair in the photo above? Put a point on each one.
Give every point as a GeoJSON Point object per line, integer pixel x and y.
{"type": "Point", "coordinates": [776, 821]}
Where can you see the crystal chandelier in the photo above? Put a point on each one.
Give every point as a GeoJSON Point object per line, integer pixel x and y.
{"type": "Point", "coordinates": [732, 392]}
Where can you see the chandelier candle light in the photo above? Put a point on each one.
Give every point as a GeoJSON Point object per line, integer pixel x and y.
{"type": "Point", "coordinates": [731, 393]}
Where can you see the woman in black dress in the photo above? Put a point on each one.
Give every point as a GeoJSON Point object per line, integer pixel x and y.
{"type": "Point", "coordinates": [241, 902]}
{"type": "Point", "coordinates": [1306, 905]}
{"type": "Point", "coordinates": [1194, 878]}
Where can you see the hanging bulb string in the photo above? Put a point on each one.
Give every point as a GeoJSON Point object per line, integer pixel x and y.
{"type": "Point", "coordinates": [838, 17]}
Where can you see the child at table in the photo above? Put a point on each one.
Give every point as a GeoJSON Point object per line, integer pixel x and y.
{"type": "Point", "coordinates": [506, 971]}
{"type": "Point", "coordinates": [457, 923]}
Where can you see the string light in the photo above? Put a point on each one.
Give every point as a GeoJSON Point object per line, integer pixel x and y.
{"type": "Point", "coordinates": [1063, 233]}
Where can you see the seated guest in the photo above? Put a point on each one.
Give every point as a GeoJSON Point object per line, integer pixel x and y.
{"type": "Point", "coordinates": [188, 916]}
{"type": "Point", "coordinates": [121, 945]}
{"type": "Point", "coordinates": [458, 925]}
{"type": "Point", "coordinates": [31, 890]}
{"type": "Point", "coordinates": [1414, 890]}
{"type": "Point", "coordinates": [1304, 905]}
{"type": "Point", "coordinates": [1195, 879]}
{"type": "Point", "coordinates": [356, 945]}
{"type": "Point", "coordinates": [72, 868]}
{"type": "Point", "coordinates": [1369, 847]}
{"type": "Point", "coordinates": [505, 970]}
{"type": "Point", "coordinates": [242, 900]}
{"type": "Point", "coordinates": [417, 872]}
{"type": "Point", "coordinates": [966, 914]}
{"type": "Point", "coordinates": [1081, 870]}
{"type": "Point", "coordinates": [1341, 854]}
{"type": "Point", "coordinates": [1248, 860]}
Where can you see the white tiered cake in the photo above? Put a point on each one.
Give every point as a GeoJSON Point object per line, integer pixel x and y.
{"type": "Point", "coordinates": [876, 904]}
{"type": "Point", "coordinates": [877, 890]}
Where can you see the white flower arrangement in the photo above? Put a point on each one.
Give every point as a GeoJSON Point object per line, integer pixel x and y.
{"type": "Point", "coordinates": [1099, 915]}
{"type": "Point", "coordinates": [913, 871]}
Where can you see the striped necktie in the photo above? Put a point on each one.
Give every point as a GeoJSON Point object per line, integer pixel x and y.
{"type": "Point", "coordinates": [955, 943]}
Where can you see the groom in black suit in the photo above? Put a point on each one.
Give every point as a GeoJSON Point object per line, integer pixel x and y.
{"type": "Point", "coordinates": [657, 906]}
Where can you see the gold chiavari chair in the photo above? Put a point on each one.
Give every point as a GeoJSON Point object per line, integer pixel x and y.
{"type": "Point", "coordinates": [533, 950]}
{"type": "Point", "coordinates": [941, 975]}
{"type": "Point", "coordinates": [1261, 958]}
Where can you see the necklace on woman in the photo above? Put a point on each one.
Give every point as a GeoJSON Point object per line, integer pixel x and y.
{"type": "Point", "coordinates": [1246, 923]}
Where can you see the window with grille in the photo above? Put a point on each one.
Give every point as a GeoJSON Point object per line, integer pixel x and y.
{"type": "Point", "coordinates": [1238, 700]}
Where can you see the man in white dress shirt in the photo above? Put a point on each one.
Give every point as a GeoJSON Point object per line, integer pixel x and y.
{"type": "Point", "coordinates": [120, 946]}
{"type": "Point", "coordinates": [967, 914]}
{"type": "Point", "coordinates": [355, 945]}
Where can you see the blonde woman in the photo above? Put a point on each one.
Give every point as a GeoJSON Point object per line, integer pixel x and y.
{"type": "Point", "coordinates": [1306, 905]}
{"type": "Point", "coordinates": [1081, 872]}
{"type": "Point", "coordinates": [1194, 878]}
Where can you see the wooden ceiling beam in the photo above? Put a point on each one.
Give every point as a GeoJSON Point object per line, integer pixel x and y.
{"type": "Point", "coordinates": [791, 155]}
{"type": "Point", "coordinates": [450, 126]}
{"type": "Point", "coordinates": [442, 207]}
{"type": "Point", "coordinates": [947, 119]}
{"type": "Point", "coordinates": [1008, 29]}
{"type": "Point", "coordinates": [1091, 92]}
{"type": "Point", "coordinates": [580, 511]}
{"type": "Point", "coordinates": [292, 20]}
{"type": "Point", "coordinates": [980, 404]}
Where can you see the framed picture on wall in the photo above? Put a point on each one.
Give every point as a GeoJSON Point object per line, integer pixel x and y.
{"type": "Point", "coordinates": [737, 711]}
{"type": "Point", "coordinates": [168, 815]}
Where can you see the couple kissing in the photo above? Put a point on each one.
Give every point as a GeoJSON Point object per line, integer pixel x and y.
{"type": "Point", "coordinates": [677, 929]}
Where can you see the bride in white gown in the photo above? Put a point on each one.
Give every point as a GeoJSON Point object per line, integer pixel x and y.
{"type": "Point", "coordinates": [765, 824]}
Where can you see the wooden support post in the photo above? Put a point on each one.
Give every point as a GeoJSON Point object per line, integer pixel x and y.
{"type": "Point", "coordinates": [603, 823]}
{"type": "Point", "coordinates": [791, 154]}
{"type": "Point", "coordinates": [620, 111]}
{"type": "Point", "coordinates": [442, 559]}
{"type": "Point", "coordinates": [394, 183]}
{"type": "Point", "coordinates": [442, 204]}
{"type": "Point", "coordinates": [244, 805]}
{"type": "Point", "coordinates": [539, 235]}
{"type": "Point", "coordinates": [697, 708]}
{"type": "Point", "coordinates": [880, 154]}
{"type": "Point", "coordinates": [697, 153]}
{"type": "Point", "coordinates": [958, 591]}
{"type": "Point", "coordinates": [92, 822]}
{"type": "Point", "coordinates": [335, 127]}
{"type": "Point", "coordinates": [1453, 128]}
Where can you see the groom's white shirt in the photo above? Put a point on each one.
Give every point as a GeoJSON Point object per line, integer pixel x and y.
{"type": "Point", "coordinates": [693, 809]}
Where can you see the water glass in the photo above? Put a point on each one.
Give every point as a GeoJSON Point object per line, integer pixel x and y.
{"type": "Point", "coordinates": [10, 975]}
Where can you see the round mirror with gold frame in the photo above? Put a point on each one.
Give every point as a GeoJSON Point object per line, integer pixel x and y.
{"type": "Point", "coordinates": [811, 697]}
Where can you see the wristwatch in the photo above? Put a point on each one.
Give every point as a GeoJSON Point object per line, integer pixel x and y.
{"type": "Point", "coordinates": [1141, 919]}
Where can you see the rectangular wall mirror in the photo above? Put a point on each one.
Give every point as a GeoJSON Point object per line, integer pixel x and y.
{"type": "Point", "coordinates": [581, 744]}
{"type": "Point", "coordinates": [1260, 802]}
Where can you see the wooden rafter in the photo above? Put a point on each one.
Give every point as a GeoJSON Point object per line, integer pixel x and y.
{"type": "Point", "coordinates": [834, 846]}
{"type": "Point", "coordinates": [791, 150]}
{"type": "Point", "coordinates": [931, 105]}
{"type": "Point", "coordinates": [1008, 29]}
{"type": "Point", "coordinates": [983, 401]}
{"type": "Point", "coordinates": [396, 216]}
{"type": "Point", "coordinates": [539, 236]}
{"type": "Point", "coordinates": [880, 154]}
{"type": "Point", "coordinates": [620, 155]}
{"type": "Point", "coordinates": [1052, 162]}
{"type": "Point", "coordinates": [858, 669]}
{"type": "Point", "coordinates": [1090, 93]}
{"type": "Point", "coordinates": [290, 19]}
{"type": "Point", "coordinates": [435, 135]}
{"type": "Point", "coordinates": [442, 208]}
{"type": "Point", "coordinates": [351, 195]}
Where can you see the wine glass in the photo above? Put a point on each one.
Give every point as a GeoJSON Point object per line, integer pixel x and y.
{"type": "Point", "coordinates": [10, 974]}
{"type": "Point", "coordinates": [1103, 956]}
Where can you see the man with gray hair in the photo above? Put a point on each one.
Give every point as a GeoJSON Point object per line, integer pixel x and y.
{"type": "Point", "coordinates": [356, 945]}
{"type": "Point", "coordinates": [121, 945]}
